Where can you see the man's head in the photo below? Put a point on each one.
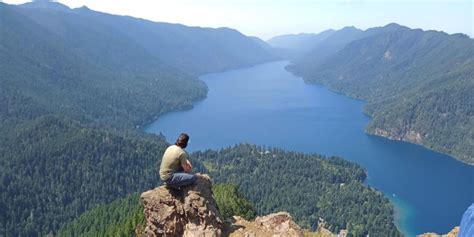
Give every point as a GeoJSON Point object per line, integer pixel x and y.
{"type": "Point", "coordinates": [182, 140]}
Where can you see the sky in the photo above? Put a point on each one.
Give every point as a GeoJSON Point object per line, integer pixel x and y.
{"type": "Point", "coordinates": [268, 18]}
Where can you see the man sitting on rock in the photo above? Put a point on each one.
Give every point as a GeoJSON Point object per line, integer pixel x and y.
{"type": "Point", "coordinates": [175, 169]}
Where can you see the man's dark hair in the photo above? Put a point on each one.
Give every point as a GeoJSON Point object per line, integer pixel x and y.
{"type": "Point", "coordinates": [182, 140]}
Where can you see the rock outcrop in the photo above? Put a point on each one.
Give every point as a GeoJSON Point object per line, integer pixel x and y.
{"type": "Point", "coordinates": [277, 224]}
{"type": "Point", "coordinates": [192, 211]}
{"type": "Point", "coordinates": [453, 233]}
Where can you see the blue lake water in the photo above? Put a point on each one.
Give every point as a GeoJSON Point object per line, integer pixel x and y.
{"type": "Point", "coordinates": [267, 105]}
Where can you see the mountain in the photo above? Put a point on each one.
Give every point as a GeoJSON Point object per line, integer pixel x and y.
{"type": "Point", "coordinates": [76, 85]}
{"type": "Point", "coordinates": [261, 43]}
{"type": "Point", "coordinates": [89, 60]}
{"type": "Point", "coordinates": [294, 46]}
{"type": "Point", "coordinates": [300, 42]}
{"type": "Point", "coordinates": [193, 49]}
{"type": "Point", "coordinates": [87, 72]}
{"type": "Point", "coordinates": [74, 91]}
{"type": "Point", "coordinates": [46, 4]}
{"type": "Point", "coordinates": [419, 85]}
{"type": "Point", "coordinates": [325, 47]}
{"type": "Point", "coordinates": [54, 169]}
{"type": "Point", "coordinates": [306, 186]}
{"type": "Point", "coordinates": [313, 189]}
{"type": "Point", "coordinates": [118, 218]}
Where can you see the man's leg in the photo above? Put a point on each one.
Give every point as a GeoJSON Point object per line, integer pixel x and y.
{"type": "Point", "coordinates": [180, 179]}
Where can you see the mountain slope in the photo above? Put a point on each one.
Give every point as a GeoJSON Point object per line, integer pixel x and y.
{"type": "Point", "coordinates": [301, 42]}
{"type": "Point", "coordinates": [327, 46]}
{"type": "Point", "coordinates": [194, 49]}
{"type": "Point", "coordinates": [72, 92]}
{"type": "Point", "coordinates": [306, 186]}
{"type": "Point", "coordinates": [313, 187]}
{"type": "Point", "coordinates": [419, 85]}
{"type": "Point", "coordinates": [118, 218]}
{"type": "Point", "coordinates": [95, 70]}
{"type": "Point", "coordinates": [53, 169]}
{"type": "Point", "coordinates": [294, 46]}
{"type": "Point", "coordinates": [91, 74]}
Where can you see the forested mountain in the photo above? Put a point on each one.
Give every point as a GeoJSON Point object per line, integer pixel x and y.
{"type": "Point", "coordinates": [120, 218]}
{"type": "Point", "coordinates": [72, 91]}
{"type": "Point", "coordinates": [74, 85]}
{"type": "Point", "coordinates": [232, 202]}
{"type": "Point", "coordinates": [301, 42]}
{"type": "Point", "coordinates": [329, 45]}
{"type": "Point", "coordinates": [262, 43]}
{"type": "Point", "coordinates": [307, 186]}
{"type": "Point", "coordinates": [419, 85]}
{"type": "Point", "coordinates": [88, 72]}
{"type": "Point", "coordinates": [313, 48]}
{"type": "Point", "coordinates": [53, 169]}
{"type": "Point", "coordinates": [195, 50]}
{"type": "Point", "coordinates": [294, 46]}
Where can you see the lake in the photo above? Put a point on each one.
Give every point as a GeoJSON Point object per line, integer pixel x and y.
{"type": "Point", "coordinates": [267, 105]}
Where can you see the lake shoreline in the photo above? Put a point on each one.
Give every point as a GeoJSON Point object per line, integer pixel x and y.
{"type": "Point", "coordinates": [389, 136]}
{"type": "Point", "coordinates": [213, 78]}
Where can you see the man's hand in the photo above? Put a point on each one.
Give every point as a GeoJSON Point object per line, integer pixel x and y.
{"type": "Point", "coordinates": [190, 165]}
{"type": "Point", "coordinates": [187, 167]}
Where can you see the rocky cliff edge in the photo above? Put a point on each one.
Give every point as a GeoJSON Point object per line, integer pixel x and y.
{"type": "Point", "coordinates": [192, 211]}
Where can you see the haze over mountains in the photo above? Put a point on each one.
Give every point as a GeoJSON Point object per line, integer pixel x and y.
{"type": "Point", "coordinates": [76, 83]}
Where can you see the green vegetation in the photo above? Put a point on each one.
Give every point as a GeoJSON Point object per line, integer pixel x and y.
{"type": "Point", "coordinates": [306, 186]}
{"type": "Point", "coordinates": [52, 170]}
{"type": "Point", "coordinates": [419, 85]}
{"type": "Point", "coordinates": [116, 85]}
{"type": "Point", "coordinates": [231, 202]}
{"type": "Point", "coordinates": [194, 50]}
{"type": "Point", "coordinates": [73, 88]}
{"type": "Point", "coordinates": [121, 218]}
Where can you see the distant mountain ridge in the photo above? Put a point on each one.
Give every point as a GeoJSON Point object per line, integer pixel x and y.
{"type": "Point", "coordinates": [87, 72]}
{"type": "Point", "coordinates": [102, 57]}
{"type": "Point", "coordinates": [46, 4]}
{"type": "Point", "coordinates": [293, 46]}
{"type": "Point", "coordinates": [300, 42]}
{"type": "Point", "coordinates": [195, 50]}
{"type": "Point", "coordinates": [419, 85]}
{"type": "Point", "coordinates": [331, 44]}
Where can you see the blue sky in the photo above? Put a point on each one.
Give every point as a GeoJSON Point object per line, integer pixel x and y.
{"type": "Point", "coordinates": [267, 18]}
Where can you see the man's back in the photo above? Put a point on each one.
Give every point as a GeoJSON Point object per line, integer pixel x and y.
{"type": "Point", "coordinates": [171, 161]}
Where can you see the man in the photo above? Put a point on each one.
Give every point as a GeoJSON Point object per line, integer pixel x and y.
{"type": "Point", "coordinates": [175, 169]}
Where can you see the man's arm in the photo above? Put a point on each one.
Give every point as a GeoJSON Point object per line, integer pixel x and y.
{"type": "Point", "coordinates": [187, 166]}
{"type": "Point", "coordinates": [185, 163]}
